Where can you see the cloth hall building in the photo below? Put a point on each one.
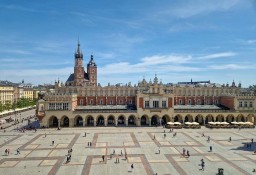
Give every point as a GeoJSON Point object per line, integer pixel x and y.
{"type": "Point", "coordinates": [81, 101]}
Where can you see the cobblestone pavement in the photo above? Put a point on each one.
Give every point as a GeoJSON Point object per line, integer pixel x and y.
{"type": "Point", "coordinates": [162, 155]}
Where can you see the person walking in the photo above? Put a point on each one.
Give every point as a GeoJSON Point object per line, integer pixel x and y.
{"type": "Point", "coordinates": [18, 151]}
{"type": "Point", "coordinates": [132, 167]}
{"type": "Point", "coordinates": [121, 152]}
{"type": "Point", "coordinates": [188, 153]}
{"type": "Point", "coordinates": [85, 134]}
{"type": "Point", "coordinates": [103, 157]}
{"type": "Point", "coordinates": [210, 148]}
{"type": "Point", "coordinates": [229, 139]}
{"type": "Point", "coordinates": [114, 152]}
{"type": "Point", "coordinates": [208, 140]}
{"type": "Point", "coordinates": [53, 142]}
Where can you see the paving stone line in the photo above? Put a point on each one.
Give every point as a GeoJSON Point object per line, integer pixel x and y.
{"type": "Point", "coordinates": [9, 141]}
{"type": "Point", "coordinates": [175, 164]}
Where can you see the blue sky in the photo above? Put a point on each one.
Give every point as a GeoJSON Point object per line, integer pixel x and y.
{"type": "Point", "coordinates": [177, 40]}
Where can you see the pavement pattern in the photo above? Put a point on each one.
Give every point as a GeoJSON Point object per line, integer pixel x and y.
{"type": "Point", "coordinates": [151, 150]}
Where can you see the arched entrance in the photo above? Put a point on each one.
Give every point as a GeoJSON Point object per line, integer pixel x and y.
{"type": "Point", "coordinates": [121, 120]}
{"type": "Point", "coordinates": [165, 119]}
{"type": "Point", "coordinates": [78, 121]}
{"type": "Point", "coordinates": [53, 122]}
{"type": "Point", "coordinates": [188, 118]}
{"type": "Point", "coordinates": [111, 121]}
{"type": "Point", "coordinates": [178, 118]}
{"type": "Point", "coordinates": [131, 120]}
{"type": "Point", "coordinates": [230, 118]}
{"type": "Point", "coordinates": [144, 120]}
{"type": "Point", "coordinates": [250, 118]}
{"type": "Point", "coordinates": [240, 118]}
{"type": "Point", "coordinates": [199, 119]}
{"type": "Point", "coordinates": [154, 120]}
{"type": "Point", "coordinates": [100, 121]}
{"type": "Point", "coordinates": [65, 122]}
{"type": "Point", "coordinates": [209, 118]}
{"type": "Point", "coordinates": [220, 118]}
{"type": "Point", "coordinates": [90, 121]}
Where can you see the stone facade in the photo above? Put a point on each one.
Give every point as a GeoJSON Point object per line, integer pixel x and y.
{"type": "Point", "coordinates": [145, 104]}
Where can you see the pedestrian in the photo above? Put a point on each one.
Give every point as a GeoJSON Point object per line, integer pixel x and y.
{"type": "Point", "coordinates": [229, 139]}
{"type": "Point", "coordinates": [183, 152]}
{"type": "Point", "coordinates": [164, 135]}
{"type": "Point", "coordinates": [202, 134]}
{"type": "Point", "coordinates": [164, 131]}
{"type": "Point", "coordinates": [6, 152]}
{"type": "Point", "coordinates": [208, 140]}
{"type": "Point", "coordinates": [88, 144]}
{"type": "Point", "coordinates": [159, 150]}
{"type": "Point", "coordinates": [203, 165]}
{"type": "Point", "coordinates": [18, 151]}
{"type": "Point", "coordinates": [170, 130]}
{"type": "Point", "coordinates": [45, 135]}
{"type": "Point", "coordinates": [210, 148]}
{"type": "Point", "coordinates": [188, 153]}
{"type": "Point", "coordinates": [252, 140]}
{"type": "Point", "coordinates": [53, 142]}
{"type": "Point", "coordinates": [121, 153]}
{"type": "Point", "coordinates": [85, 134]}
{"type": "Point", "coordinates": [103, 157]}
{"type": "Point", "coordinates": [67, 159]}
{"type": "Point", "coordinates": [154, 137]}
{"type": "Point", "coordinates": [70, 157]}
{"type": "Point", "coordinates": [113, 151]}
{"type": "Point", "coordinates": [131, 166]}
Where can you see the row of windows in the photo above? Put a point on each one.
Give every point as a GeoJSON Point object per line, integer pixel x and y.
{"type": "Point", "coordinates": [203, 92]}
{"type": "Point", "coordinates": [111, 102]}
{"type": "Point", "coordinates": [199, 102]}
{"type": "Point", "coordinates": [245, 104]}
{"type": "Point", "coordinates": [155, 104]}
{"type": "Point", "coordinates": [58, 106]}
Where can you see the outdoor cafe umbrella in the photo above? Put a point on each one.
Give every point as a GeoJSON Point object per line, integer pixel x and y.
{"type": "Point", "coordinates": [170, 123]}
{"type": "Point", "coordinates": [195, 123]}
{"type": "Point", "coordinates": [177, 123]}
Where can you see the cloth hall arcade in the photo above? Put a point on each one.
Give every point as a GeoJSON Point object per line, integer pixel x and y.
{"type": "Point", "coordinates": [84, 102]}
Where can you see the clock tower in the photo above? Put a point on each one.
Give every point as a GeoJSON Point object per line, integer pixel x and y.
{"type": "Point", "coordinates": [92, 72]}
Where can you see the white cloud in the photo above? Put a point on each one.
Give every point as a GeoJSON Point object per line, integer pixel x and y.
{"type": "Point", "coordinates": [192, 8]}
{"type": "Point", "coordinates": [217, 55]}
{"type": "Point", "coordinates": [230, 66]}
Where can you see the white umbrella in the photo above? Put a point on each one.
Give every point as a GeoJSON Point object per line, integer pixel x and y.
{"type": "Point", "coordinates": [212, 123]}
{"type": "Point", "coordinates": [241, 123]}
{"type": "Point", "coordinates": [224, 123]}
{"type": "Point", "coordinates": [235, 123]}
{"type": "Point", "coordinates": [170, 123]}
{"type": "Point", "coordinates": [249, 123]}
{"type": "Point", "coordinates": [217, 123]}
{"type": "Point", "coordinates": [177, 123]}
{"type": "Point", "coordinates": [188, 123]}
{"type": "Point", "coordinates": [195, 123]}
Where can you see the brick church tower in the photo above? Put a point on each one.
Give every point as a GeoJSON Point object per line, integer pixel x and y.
{"type": "Point", "coordinates": [79, 67]}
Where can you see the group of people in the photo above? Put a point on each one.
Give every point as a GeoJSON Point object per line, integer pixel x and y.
{"type": "Point", "coordinates": [184, 153]}
{"type": "Point", "coordinates": [69, 155]}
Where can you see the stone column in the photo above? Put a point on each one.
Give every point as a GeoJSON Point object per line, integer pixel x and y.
{"type": "Point", "coordinates": [126, 122]}
{"type": "Point", "coordinates": [116, 122]}
{"type": "Point", "coordinates": [138, 122]}
{"type": "Point", "coordinates": [149, 120]}
{"type": "Point", "coordinates": [71, 122]}
{"type": "Point", "coordinates": [58, 123]}
{"type": "Point", "coordinates": [105, 122]}
{"type": "Point", "coordinates": [94, 122]}
{"type": "Point", "coordinates": [84, 122]}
